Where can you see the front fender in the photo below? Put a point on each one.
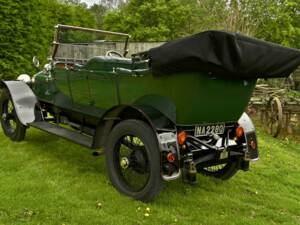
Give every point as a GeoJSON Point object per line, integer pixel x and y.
{"type": "Point", "coordinates": [24, 100]}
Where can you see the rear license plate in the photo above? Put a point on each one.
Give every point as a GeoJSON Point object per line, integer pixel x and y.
{"type": "Point", "coordinates": [203, 130]}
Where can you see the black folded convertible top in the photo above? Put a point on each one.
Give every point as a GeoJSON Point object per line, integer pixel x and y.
{"type": "Point", "coordinates": [225, 54]}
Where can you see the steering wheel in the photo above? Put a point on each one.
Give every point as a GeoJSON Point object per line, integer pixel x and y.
{"type": "Point", "coordinates": [113, 53]}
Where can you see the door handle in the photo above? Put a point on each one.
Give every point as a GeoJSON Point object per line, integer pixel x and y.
{"type": "Point", "coordinates": [69, 67]}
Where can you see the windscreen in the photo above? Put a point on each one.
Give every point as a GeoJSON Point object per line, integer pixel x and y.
{"type": "Point", "coordinates": [80, 45]}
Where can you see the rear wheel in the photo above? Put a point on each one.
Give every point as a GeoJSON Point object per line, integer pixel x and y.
{"type": "Point", "coordinates": [11, 125]}
{"type": "Point", "coordinates": [133, 160]}
{"type": "Point", "coordinates": [222, 171]}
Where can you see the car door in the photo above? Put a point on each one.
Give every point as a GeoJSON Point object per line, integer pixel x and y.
{"type": "Point", "coordinates": [62, 95]}
{"type": "Point", "coordinates": [80, 90]}
{"type": "Point", "coordinates": [103, 87]}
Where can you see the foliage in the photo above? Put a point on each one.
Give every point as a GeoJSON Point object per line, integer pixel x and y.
{"type": "Point", "coordinates": [74, 2]}
{"type": "Point", "coordinates": [27, 29]}
{"type": "Point", "coordinates": [243, 16]}
{"type": "Point", "coordinates": [272, 20]}
{"type": "Point", "coordinates": [111, 4]}
{"type": "Point", "coordinates": [282, 24]}
{"type": "Point", "coordinates": [151, 20]}
{"type": "Point", "coordinates": [47, 180]}
{"type": "Point", "coordinates": [99, 11]}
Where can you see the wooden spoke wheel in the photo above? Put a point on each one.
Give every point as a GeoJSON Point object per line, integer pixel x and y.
{"type": "Point", "coordinates": [133, 160]}
{"type": "Point", "coordinates": [273, 118]}
{"type": "Point", "coordinates": [10, 123]}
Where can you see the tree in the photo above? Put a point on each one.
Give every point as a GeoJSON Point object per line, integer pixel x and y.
{"type": "Point", "coordinates": [150, 20]}
{"type": "Point", "coordinates": [283, 23]}
{"type": "Point", "coordinates": [272, 20]}
{"type": "Point", "coordinates": [27, 30]}
{"type": "Point", "coordinates": [99, 11]}
{"type": "Point", "coordinates": [74, 2]}
{"type": "Point", "coordinates": [112, 4]}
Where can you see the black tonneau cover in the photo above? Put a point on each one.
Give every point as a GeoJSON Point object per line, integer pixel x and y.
{"type": "Point", "coordinates": [226, 54]}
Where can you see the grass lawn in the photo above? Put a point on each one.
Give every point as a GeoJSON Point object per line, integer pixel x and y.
{"type": "Point", "coordinates": [47, 180]}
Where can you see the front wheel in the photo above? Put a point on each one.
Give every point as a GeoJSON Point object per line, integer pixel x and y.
{"type": "Point", "coordinates": [11, 125]}
{"type": "Point", "coordinates": [133, 160]}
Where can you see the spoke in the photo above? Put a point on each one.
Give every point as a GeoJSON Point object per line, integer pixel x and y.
{"type": "Point", "coordinates": [135, 179]}
{"type": "Point", "coordinates": [136, 174]}
{"type": "Point", "coordinates": [10, 116]}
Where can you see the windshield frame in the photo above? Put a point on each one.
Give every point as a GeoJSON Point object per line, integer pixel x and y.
{"type": "Point", "coordinates": [60, 27]}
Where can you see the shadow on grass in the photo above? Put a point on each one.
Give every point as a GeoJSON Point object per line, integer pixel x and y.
{"type": "Point", "coordinates": [80, 158]}
{"type": "Point", "coordinates": [64, 151]}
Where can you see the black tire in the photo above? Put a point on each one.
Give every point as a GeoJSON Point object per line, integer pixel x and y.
{"type": "Point", "coordinates": [138, 139]}
{"type": "Point", "coordinates": [222, 171]}
{"type": "Point", "coordinates": [10, 123]}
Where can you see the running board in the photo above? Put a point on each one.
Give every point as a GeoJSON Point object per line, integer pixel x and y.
{"type": "Point", "coordinates": [70, 135]}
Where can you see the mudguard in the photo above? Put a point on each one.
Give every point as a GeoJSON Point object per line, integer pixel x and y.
{"type": "Point", "coordinates": [24, 100]}
{"type": "Point", "coordinates": [152, 116]}
{"type": "Point", "coordinates": [250, 136]}
{"type": "Point", "coordinates": [246, 123]}
{"type": "Point", "coordinates": [162, 104]}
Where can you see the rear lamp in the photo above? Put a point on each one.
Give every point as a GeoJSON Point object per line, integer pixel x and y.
{"type": "Point", "coordinates": [239, 132]}
{"type": "Point", "coordinates": [181, 137]}
{"type": "Point", "coordinates": [170, 157]}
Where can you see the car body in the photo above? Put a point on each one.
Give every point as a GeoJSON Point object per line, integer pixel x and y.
{"type": "Point", "coordinates": [172, 126]}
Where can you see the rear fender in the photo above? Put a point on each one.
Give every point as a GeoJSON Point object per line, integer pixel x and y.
{"type": "Point", "coordinates": [148, 114]}
{"type": "Point", "coordinates": [157, 120]}
{"type": "Point", "coordinates": [246, 123]}
{"type": "Point", "coordinates": [251, 148]}
{"type": "Point", "coordinates": [24, 100]}
{"type": "Point", "coordinates": [162, 104]}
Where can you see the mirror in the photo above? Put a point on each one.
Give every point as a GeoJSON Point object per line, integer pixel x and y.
{"type": "Point", "coordinates": [35, 62]}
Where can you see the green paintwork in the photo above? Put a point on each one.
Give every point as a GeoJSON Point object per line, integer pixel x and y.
{"type": "Point", "coordinates": [197, 97]}
{"type": "Point", "coordinates": [186, 98]}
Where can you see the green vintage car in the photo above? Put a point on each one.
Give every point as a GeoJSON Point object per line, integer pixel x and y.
{"type": "Point", "coordinates": [173, 111]}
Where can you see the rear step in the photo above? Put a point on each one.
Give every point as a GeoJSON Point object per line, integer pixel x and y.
{"type": "Point", "coordinates": [74, 136]}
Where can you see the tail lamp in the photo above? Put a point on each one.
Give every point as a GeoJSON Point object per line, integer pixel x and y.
{"type": "Point", "coordinates": [239, 132]}
{"type": "Point", "coordinates": [181, 137]}
{"type": "Point", "coordinates": [171, 157]}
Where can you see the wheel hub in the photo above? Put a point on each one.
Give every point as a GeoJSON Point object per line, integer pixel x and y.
{"type": "Point", "coordinates": [124, 163]}
{"type": "Point", "coordinates": [139, 161]}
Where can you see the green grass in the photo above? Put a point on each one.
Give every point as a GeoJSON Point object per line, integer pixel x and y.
{"type": "Point", "coordinates": [47, 180]}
